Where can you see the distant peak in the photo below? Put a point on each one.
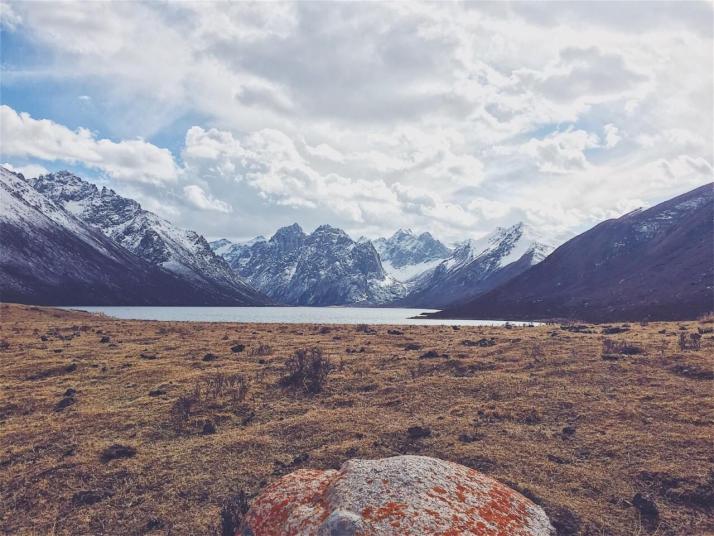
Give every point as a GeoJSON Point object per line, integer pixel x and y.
{"type": "Point", "coordinates": [403, 232]}
{"type": "Point", "coordinates": [328, 229]}
{"type": "Point", "coordinates": [290, 229]}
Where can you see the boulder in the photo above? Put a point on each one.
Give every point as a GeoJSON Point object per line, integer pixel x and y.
{"type": "Point", "coordinates": [402, 495]}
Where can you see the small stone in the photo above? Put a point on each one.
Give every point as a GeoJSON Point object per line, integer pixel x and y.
{"type": "Point", "coordinates": [647, 508]}
{"type": "Point", "coordinates": [90, 497]}
{"type": "Point", "coordinates": [237, 348]}
{"type": "Point", "coordinates": [568, 431]}
{"type": "Point", "coordinates": [210, 357]}
{"type": "Point", "coordinates": [64, 403]}
{"type": "Point", "coordinates": [70, 392]}
{"type": "Point", "coordinates": [208, 428]}
{"type": "Point", "coordinates": [418, 432]}
{"type": "Point", "coordinates": [117, 451]}
{"type": "Point", "coordinates": [104, 339]}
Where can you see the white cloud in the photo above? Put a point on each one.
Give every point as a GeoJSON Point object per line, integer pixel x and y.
{"type": "Point", "coordinates": [8, 17]}
{"type": "Point", "coordinates": [25, 137]}
{"type": "Point", "coordinates": [29, 171]}
{"type": "Point", "coordinates": [612, 135]}
{"type": "Point", "coordinates": [204, 201]}
{"type": "Point", "coordinates": [561, 152]}
{"type": "Point", "coordinates": [442, 116]}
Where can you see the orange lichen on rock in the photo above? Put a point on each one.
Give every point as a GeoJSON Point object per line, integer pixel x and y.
{"type": "Point", "coordinates": [415, 495]}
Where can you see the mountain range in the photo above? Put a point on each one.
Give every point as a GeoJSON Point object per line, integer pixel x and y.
{"type": "Point", "coordinates": [325, 267]}
{"type": "Point", "coordinates": [65, 241]}
{"type": "Point", "coordinates": [655, 264]}
{"type": "Point", "coordinates": [477, 266]}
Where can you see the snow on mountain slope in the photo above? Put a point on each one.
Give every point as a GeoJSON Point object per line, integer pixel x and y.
{"type": "Point", "coordinates": [405, 255]}
{"type": "Point", "coordinates": [50, 257]}
{"type": "Point", "coordinates": [183, 252]}
{"type": "Point", "coordinates": [476, 266]}
{"type": "Point", "coordinates": [326, 267]}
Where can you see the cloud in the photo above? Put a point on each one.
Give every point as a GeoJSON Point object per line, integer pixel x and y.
{"type": "Point", "coordinates": [450, 117]}
{"type": "Point", "coordinates": [612, 135]}
{"type": "Point", "coordinates": [561, 152]}
{"type": "Point", "coordinates": [200, 199]}
{"type": "Point", "coordinates": [136, 160]}
{"type": "Point", "coordinates": [29, 171]}
{"type": "Point", "coordinates": [8, 18]}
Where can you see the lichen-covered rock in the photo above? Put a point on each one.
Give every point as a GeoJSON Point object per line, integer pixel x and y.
{"type": "Point", "coordinates": [404, 495]}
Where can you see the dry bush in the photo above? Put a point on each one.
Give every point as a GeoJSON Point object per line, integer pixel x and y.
{"type": "Point", "coordinates": [690, 341]}
{"type": "Point", "coordinates": [181, 412]}
{"type": "Point", "coordinates": [307, 370]}
{"type": "Point", "coordinates": [262, 349]}
{"type": "Point", "coordinates": [215, 390]}
{"type": "Point", "coordinates": [614, 347]}
{"type": "Point", "coordinates": [707, 318]}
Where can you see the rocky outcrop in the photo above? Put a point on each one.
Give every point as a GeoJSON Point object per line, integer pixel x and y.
{"type": "Point", "coordinates": [401, 495]}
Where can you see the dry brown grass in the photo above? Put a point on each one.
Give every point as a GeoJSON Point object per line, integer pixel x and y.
{"type": "Point", "coordinates": [540, 409]}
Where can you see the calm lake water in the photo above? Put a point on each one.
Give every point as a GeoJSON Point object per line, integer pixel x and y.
{"type": "Point", "coordinates": [288, 315]}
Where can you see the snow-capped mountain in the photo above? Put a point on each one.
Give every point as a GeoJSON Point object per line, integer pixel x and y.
{"type": "Point", "coordinates": [477, 266]}
{"type": "Point", "coordinates": [50, 257]}
{"type": "Point", "coordinates": [405, 255]}
{"type": "Point", "coordinates": [326, 267]}
{"type": "Point", "coordinates": [183, 252]}
{"type": "Point", "coordinates": [654, 263]}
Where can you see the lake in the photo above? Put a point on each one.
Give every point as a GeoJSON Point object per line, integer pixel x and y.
{"type": "Point", "coordinates": [286, 315]}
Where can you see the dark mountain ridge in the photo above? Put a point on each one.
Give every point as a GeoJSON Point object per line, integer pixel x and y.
{"type": "Point", "coordinates": [655, 264]}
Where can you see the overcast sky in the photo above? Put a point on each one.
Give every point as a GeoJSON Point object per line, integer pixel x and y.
{"type": "Point", "coordinates": [234, 118]}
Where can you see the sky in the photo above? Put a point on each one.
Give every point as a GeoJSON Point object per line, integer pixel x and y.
{"type": "Point", "coordinates": [234, 119]}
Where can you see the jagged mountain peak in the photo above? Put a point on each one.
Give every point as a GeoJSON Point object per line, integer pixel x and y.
{"type": "Point", "coordinates": [326, 267]}
{"type": "Point", "coordinates": [476, 266]}
{"type": "Point", "coordinates": [405, 254]}
{"type": "Point", "coordinates": [154, 239]}
{"type": "Point", "coordinates": [50, 256]}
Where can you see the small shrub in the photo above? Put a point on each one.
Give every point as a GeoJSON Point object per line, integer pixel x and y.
{"type": "Point", "coordinates": [612, 330]}
{"type": "Point", "coordinates": [364, 328]}
{"type": "Point", "coordinates": [262, 349]}
{"type": "Point", "coordinates": [307, 370]}
{"type": "Point", "coordinates": [117, 451]}
{"type": "Point", "coordinates": [181, 411]}
{"type": "Point", "coordinates": [536, 352]}
{"type": "Point", "coordinates": [707, 318]}
{"type": "Point", "coordinates": [232, 512]}
{"type": "Point", "coordinates": [611, 347]}
{"type": "Point", "coordinates": [691, 341]}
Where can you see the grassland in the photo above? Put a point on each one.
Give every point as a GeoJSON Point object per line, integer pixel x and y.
{"type": "Point", "coordinates": [142, 433]}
